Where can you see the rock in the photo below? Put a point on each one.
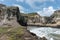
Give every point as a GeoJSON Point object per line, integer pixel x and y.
{"type": "Point", "coordinates": [9, 15]}
{"type": "Point", "coordinates": [2, 5]}
{"type": "Point", "coordinates": [43, 38]}
{"type": "Point", "coordinates": [56, 16]}
{"type": "Point", "coordinates": [28, 36]}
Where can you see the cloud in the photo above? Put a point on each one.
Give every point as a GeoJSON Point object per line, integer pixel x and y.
{"type": "Point", "coordinates": [20, 7]}
{"type": "Point", "coordinates": [34, 0]}
{"type": "Point", "coordinates": [40, 4]}
{"type": "Point", "coordinates": [46, 11]}
{"type": "Point", "coordinates": [20, 0]}
{"type": "Point", "coordinates": [1, 1]}
{"type": "Point", "coordinates": [32, 4]}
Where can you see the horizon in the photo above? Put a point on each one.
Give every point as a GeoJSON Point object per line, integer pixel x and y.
{"type": "Point", "coordinates": [42, 7]}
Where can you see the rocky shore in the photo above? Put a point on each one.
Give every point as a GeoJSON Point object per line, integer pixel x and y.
{"type": "Point", "coordinates": [44, 25]}
{"type": "Point", "coordinates": [31, 36]}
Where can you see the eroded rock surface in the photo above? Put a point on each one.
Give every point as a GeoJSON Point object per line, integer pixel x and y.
{"type": "Point", "coordinates": [9, 15]}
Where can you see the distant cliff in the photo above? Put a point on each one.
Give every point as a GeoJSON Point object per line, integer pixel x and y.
{"type": "Point", "coordinates": [56, 16]}
{"type": "Point", "coordinates": [54, 19]}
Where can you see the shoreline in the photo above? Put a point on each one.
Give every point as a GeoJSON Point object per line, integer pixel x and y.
{"type": "Point", "coordinates": [55, 26]}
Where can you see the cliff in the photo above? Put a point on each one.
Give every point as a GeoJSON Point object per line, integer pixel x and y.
{"type": "Point", "coordinates": [35, 18]}
{"type": "Point", "coordinates": [9, 16]}
{"type": "Point", "coordinates": [2, 5]}
{"type": "Point", "coordinates": [56, 16]}
{"type": "Point", "coordinates": [10, 24]}
{"type": "Point", "coordinates": [52, 21]}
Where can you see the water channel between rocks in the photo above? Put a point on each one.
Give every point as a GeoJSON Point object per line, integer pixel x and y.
{"type": "Point", "coordinates": [47, 32]}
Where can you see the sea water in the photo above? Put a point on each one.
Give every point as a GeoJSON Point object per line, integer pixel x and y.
{"type": "Point", "coordinates": [47, 32]}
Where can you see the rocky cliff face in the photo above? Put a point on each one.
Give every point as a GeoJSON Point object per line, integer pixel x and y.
{"type": "Point", "coordinates": [35, 18]}
{"type": "Point", "coordinates": [56, 16]}
{"type": "Point", "coordinates": [9, 15]}
{"type": "Point", "coordinates": [39, 19]}
{"type": "Point", "coordinates": [2, 5]}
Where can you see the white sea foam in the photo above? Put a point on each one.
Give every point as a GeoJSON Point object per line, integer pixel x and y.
{"type": "Point", "coordinates": [49, 33]}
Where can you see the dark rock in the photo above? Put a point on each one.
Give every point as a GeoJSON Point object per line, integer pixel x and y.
{"type": "Point", "coordinates": [43, 38]}
{"type": "Point", "coordinates": [31, 33]}
{"type": "Point", "coordinates": [28, 36]}
{"type": "Point", "coordinates": [2, 5]}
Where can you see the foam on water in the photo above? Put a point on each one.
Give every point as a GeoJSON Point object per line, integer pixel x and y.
{"type": "Point", "coordinates": [49, 33]}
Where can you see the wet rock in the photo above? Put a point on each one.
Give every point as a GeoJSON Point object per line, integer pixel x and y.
{"type": "Point", "coordinates": [43, 38]}
{"type": "Point", "coordinates": [28, 36]}
{"type": "Point", "coordinates": [31, 33]}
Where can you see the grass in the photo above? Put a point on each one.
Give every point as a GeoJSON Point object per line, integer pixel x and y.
{"type": "Point", "coordinates": [16, 33]}
{"type": "Point", "coordinates": [4, 29]}
{"type": "Point", "coordinates": [13, 34]}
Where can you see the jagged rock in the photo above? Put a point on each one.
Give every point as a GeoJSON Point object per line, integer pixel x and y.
{"type": "Point", "coordinates": [56, 16]}
{"type": "Point", "coordinates": [2, 5]}
{"type": "Point", "coordinates": [9, 15]}
{"type": "Point", "coordinates": [35, 18]}
{"type": "Point", "coordinates": [28, 36]}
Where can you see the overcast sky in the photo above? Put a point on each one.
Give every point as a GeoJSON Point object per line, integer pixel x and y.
{"type": "Point", "coordinates": [42, 7]}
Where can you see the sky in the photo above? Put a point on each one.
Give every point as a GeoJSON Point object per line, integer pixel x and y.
{"type": "Point", "coordinates": [42, 7]}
